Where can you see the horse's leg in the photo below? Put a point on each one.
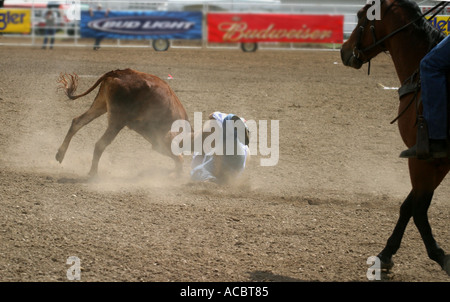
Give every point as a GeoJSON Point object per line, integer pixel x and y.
{"type": "Point", "coordinates": [416, 205]}
{"type": "Point", "coordinates": [393, 243]}
{"type": "Point", "coordinates": [426, 177]}
{"type": "Point", "coordinates": [420, 216]}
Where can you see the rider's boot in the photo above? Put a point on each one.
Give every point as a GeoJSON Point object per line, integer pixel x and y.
{"type": "Point", "coordinates": [437, 149]}
{"type": "Point", "coordinates": [425, 148]}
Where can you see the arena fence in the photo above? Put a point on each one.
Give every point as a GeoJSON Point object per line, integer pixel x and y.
{"type": "Point", "coordinates": [69, 16]}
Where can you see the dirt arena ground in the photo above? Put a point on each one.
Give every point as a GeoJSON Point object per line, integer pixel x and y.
{"type": "Point", "coordinates": [329, 204]}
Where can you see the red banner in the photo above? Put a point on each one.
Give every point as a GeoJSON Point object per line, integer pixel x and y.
{"type": "Point", "coordinates": [227, 28]}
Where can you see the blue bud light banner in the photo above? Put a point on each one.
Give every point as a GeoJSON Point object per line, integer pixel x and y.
{"type": "Point", "coordinates": [140, 25]}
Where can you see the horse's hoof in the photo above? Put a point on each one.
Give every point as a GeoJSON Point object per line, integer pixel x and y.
{"type": "Point", "coordinates": [386, 266]}
{"type": "Point", "coordinates": [386, 263]}
{"type": "Point", "coordinates": [446, 265]}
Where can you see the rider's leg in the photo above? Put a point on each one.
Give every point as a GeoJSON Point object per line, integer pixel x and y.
{"type": "Point", "coordinates": [433, 69]}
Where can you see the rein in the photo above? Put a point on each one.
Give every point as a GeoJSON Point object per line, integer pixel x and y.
{"type": "Point", "coordinates": [412, 83]}
{"type": "Point", "coordinates": [442, 3]}
{"type": "Point", "coordinates": [357, 52]}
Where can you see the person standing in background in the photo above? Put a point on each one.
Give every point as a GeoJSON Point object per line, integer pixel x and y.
{"type": "Point", "coordinates": [50, 30]}
{"type": "Point", "coordinates": [99, 38]}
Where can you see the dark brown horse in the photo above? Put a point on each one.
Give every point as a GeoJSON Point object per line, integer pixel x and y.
{"type": "Point", "coordinates": [407, 36]}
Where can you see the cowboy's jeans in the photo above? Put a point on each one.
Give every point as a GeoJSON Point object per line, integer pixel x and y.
{"type": "Point", "coordinates": [433, 69]}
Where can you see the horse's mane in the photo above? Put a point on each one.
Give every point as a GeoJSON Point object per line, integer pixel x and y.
{"type": "Point", "coordinates": [422, 27]}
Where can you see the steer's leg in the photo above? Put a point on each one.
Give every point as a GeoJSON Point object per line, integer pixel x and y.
{"type": "Point", "coordinates": [166, 149]}
{"type": "Point", "coordinates": [109, 135]}
{"type": "Point", "coordinates": [97, 108]}
{"type": "Point", "coordinates": [162, 144]}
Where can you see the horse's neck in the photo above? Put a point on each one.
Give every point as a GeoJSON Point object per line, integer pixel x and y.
{"type": "Point", "coordinates": [406, 56]}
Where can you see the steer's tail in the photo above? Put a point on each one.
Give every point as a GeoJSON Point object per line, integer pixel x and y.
{"type": "Point", "coordinates": [69, 83]}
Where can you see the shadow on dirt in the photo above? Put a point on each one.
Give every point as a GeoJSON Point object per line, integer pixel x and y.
{"type": "Point", "coordinates": [74, 180]}
{"type": "Point", "coordinates": [268, 276]}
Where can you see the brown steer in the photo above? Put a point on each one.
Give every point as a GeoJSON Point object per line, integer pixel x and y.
{"type": "Point", "coordinates": [141, 101]}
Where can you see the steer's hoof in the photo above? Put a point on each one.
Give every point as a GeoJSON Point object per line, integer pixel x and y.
{"type": "Point", "coordinates": [174, 175]}
{"type": "Point", "coordinates": [92, 173]}
{"type": "Point", "coordinates": [59, 156]}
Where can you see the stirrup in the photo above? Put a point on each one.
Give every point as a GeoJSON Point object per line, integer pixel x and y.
{"type": "Point", "coordinates": [409, 153]}
{"type": "Point", "coordinates": [422, 141]}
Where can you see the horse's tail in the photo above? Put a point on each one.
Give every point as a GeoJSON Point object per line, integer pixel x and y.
{"type": "Point", "coordinates": [70, 83]}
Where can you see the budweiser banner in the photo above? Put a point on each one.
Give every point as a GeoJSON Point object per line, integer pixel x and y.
{"type": "Point", "coordinates": [226, 28]}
